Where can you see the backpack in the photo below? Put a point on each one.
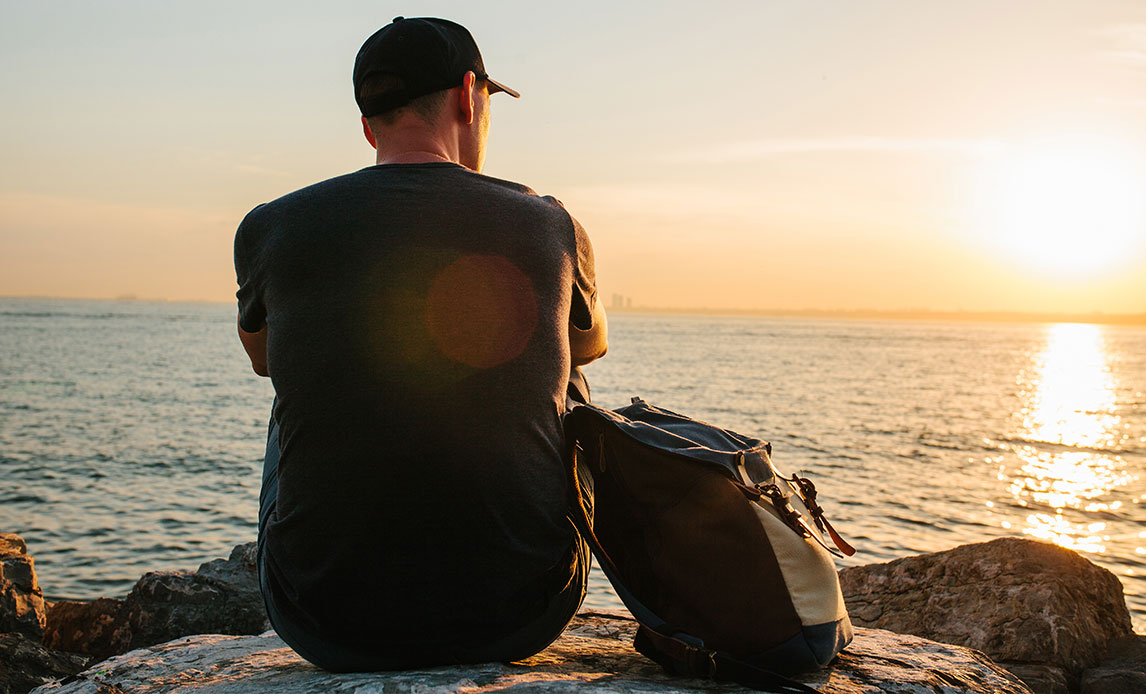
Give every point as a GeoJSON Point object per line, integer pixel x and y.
{"type": "Point", "coordinates": [723, 561]}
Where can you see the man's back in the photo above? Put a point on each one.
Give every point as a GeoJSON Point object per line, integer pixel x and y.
{"type": "Point", "coordinates": [418, 320]}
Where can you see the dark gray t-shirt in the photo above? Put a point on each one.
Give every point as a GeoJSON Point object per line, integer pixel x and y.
{"type": "Point", "coordinates": [418, 345]}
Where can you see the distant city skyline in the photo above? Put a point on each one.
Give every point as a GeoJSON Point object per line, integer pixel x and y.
{"type": "Point", "coordinates": [757, 156]}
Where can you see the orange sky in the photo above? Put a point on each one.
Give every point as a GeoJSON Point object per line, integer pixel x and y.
{"type": "Point", "coordinates": [881, 155]}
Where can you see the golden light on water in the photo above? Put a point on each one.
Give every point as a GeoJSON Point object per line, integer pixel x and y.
{"type": "Point", "coordinates": [1074, 402]}
{"type": "Point", "coordinates": [1069, 419]}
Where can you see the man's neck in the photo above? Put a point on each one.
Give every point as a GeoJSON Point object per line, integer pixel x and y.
{"type": "Point", "coordinates": [418, 145]}
{"type": "Point", "coordinates": [413, 141]}
{"type": "Point", "coordinates": [412, 156]}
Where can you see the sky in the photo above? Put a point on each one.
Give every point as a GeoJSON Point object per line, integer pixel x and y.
{"type": "Point", "coordinates": [774, 154]}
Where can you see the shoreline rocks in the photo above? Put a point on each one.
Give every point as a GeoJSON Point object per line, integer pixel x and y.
{"type": "Point", "coordinates": [222, 597]}
{"type": "Point", "coordinates": [594, 651]}
{"type": "Point", "coordinates": [22, 608]}
{"type": "Point", "coordinates": [94, 628]}
{"type": "Point", "coordinates": [24, 661]}
{"type": "Point", "coordinates": [1123, 669]}
{"type": "Point", "coordinates": [1042, 610]}
{"type": "Point", "coordinates": [1046, 615]}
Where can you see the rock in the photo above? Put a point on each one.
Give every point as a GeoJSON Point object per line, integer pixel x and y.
{"type": "Point", "coordinates": [21, 602]}
{"type": "Point", "coordinates": [1122, 672]}
{"type": "Point", "coordinates": [25, 664]}
{"type": "Point", "coordinates": [239, 571]}
{"type": "Point", "coordinates": [594, 651]}
{"type": "Point", "coordinates": [1041, 679]}
{"type": "Point", "coordinates": [97, 628]}
{"type": "Point", "coordinates": [222, 597]}
{"type": "Point", "coordinates": [1017, 600]}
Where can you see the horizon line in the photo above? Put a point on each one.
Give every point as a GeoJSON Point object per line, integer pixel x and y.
{"type": "Point", "coordinates": [969, 315]}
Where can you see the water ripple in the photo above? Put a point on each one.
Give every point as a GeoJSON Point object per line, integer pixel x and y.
{"type": "Point", "coordinates": [131, 433]}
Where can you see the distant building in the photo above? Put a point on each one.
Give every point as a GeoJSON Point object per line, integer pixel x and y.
{"type": "Point", "coordinates": [620, 302]}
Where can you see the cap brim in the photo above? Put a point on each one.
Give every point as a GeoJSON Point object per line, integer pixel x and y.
{"type": "Point", "coordinates": [495, 87]}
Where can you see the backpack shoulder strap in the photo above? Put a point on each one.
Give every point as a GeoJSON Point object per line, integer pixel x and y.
{"type": "Point", "coordinates": [677, 655]}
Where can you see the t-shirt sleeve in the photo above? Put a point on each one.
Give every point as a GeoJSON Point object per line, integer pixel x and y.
{"type": "Point", "coordinates": [252, 312]}
{"type": "Point", "coordinates": [584, 280]}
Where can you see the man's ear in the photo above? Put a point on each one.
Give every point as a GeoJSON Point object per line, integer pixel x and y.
{"type": "Point", "coordinates": [369, 133]}
{"type": "Point", "coordinates": [466, 98]}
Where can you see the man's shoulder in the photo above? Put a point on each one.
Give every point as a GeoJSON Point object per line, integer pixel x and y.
{"type": "Point", "coordinates": [450, 175]}
{"type": "Point", "coordinates": [525, 195]}
{"type": "Point", "coordinates": [307, 195]}
{"type": "Point", "coordinates": [516, 187]}
{"type": "Point", "coordinates": [442, 181]}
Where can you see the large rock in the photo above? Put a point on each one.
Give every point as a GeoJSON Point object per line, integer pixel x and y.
{"type": "Point", "coordinates": [1017, 600]}
{"type": "Point", "coordinates": [222, 597]}
{"type": "Point", "coordinates": [594, 652]}
{"type": "Point", "coordinates": [25, 663]}
{"type": "Point", "coordinates": [21, 602]}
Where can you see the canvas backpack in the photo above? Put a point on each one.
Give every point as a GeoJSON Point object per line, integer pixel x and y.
{"type": "Point", "coordinates": [724, 562]}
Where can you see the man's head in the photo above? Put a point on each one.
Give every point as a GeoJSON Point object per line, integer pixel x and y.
{"type": "Point", "coordinates": [427, 69]}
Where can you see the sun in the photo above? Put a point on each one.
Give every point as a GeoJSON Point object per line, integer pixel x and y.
{"type": "Point", "coordinates": [1074, 208]}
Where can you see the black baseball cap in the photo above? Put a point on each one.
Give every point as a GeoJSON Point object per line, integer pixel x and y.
{"type": "Point", "coordinates": [427, 53]}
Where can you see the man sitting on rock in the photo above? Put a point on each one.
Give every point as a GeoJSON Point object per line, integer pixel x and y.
{"type": "Point", "coordinates": [420, 323]}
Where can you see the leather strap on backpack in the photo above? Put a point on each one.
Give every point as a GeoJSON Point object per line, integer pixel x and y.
{"type": "Point", "coordinates": [676, 655]}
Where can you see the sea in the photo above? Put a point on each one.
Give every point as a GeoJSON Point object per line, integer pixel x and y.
{"type": "Point", "coordinates": [132, 432]}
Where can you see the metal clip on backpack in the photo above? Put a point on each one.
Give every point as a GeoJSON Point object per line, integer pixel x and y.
{"type": "Point", "coordinates": [722, 560]}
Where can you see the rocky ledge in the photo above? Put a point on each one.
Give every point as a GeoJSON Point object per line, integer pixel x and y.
{"type": "Point", "coordinates": [929, 623]}
{"type": "Point", "coordinates": [593, 652]}
{"type": "Point", "coordinates": [1043, 612]}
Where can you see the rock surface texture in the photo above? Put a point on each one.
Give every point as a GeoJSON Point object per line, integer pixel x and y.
{"type": "Point", "coordinates": [1055, 620]}
{"type": "Point", "coordinates": [1123, 671]}
{"type": "Point", "coordinates": [96, 628]}
{"type": "Point", "coordinates": [222, 597]}
{"type": "Point", "coordinates": [25, 663]}
{"type": "Point", "coordinates": [595, 652]}
{"type": "Point", "coordinates": [22, 608]}
{"type": "Point", "coordinates": [1023, 603]}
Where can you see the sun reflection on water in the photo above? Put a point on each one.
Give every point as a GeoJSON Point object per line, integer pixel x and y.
{"type": "Point", "coordinates": [1068, 424]}
{"type": "Point", "coordinates": [1074, 403]}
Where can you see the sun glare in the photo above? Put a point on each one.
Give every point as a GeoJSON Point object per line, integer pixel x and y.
{"type": "Point", "coordinates": [1065, 432]}
{"type": "Point", "coordinates": [1064, 209]}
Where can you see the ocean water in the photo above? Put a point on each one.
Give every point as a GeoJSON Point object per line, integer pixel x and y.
{"type": "Point", "coordinates": [131, 433]}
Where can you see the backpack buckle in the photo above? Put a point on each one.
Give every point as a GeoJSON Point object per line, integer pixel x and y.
{"type": "Point", "coordinates": [700, 662]}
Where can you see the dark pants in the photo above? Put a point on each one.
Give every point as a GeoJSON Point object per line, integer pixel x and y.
{"type": "Point", "coordinates": [530, 639]}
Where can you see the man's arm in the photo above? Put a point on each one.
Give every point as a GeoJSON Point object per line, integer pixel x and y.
{"type": "Point", "coordinates": [256, 346]}
{"type": "Point", "coordinates": [587, 345]}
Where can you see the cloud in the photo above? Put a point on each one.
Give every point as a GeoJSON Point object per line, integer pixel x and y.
{"type": "Point", "coordinates": [1122, 101]}
{"type": "Point", "coordinates": [219, 159]}
{"type": "Point", "coordinates": [759, 149]}
{"type": "Point", "coordinates": [1134, 58]}
{"type": "Point", "coordinates": [665, 200]}
{"type": "Point", "coordinates": [1133, 33]}
{"type": "Point", "coordinates": [260, 170]}
{"type": "Point", "coordinates": [1126, 44]}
